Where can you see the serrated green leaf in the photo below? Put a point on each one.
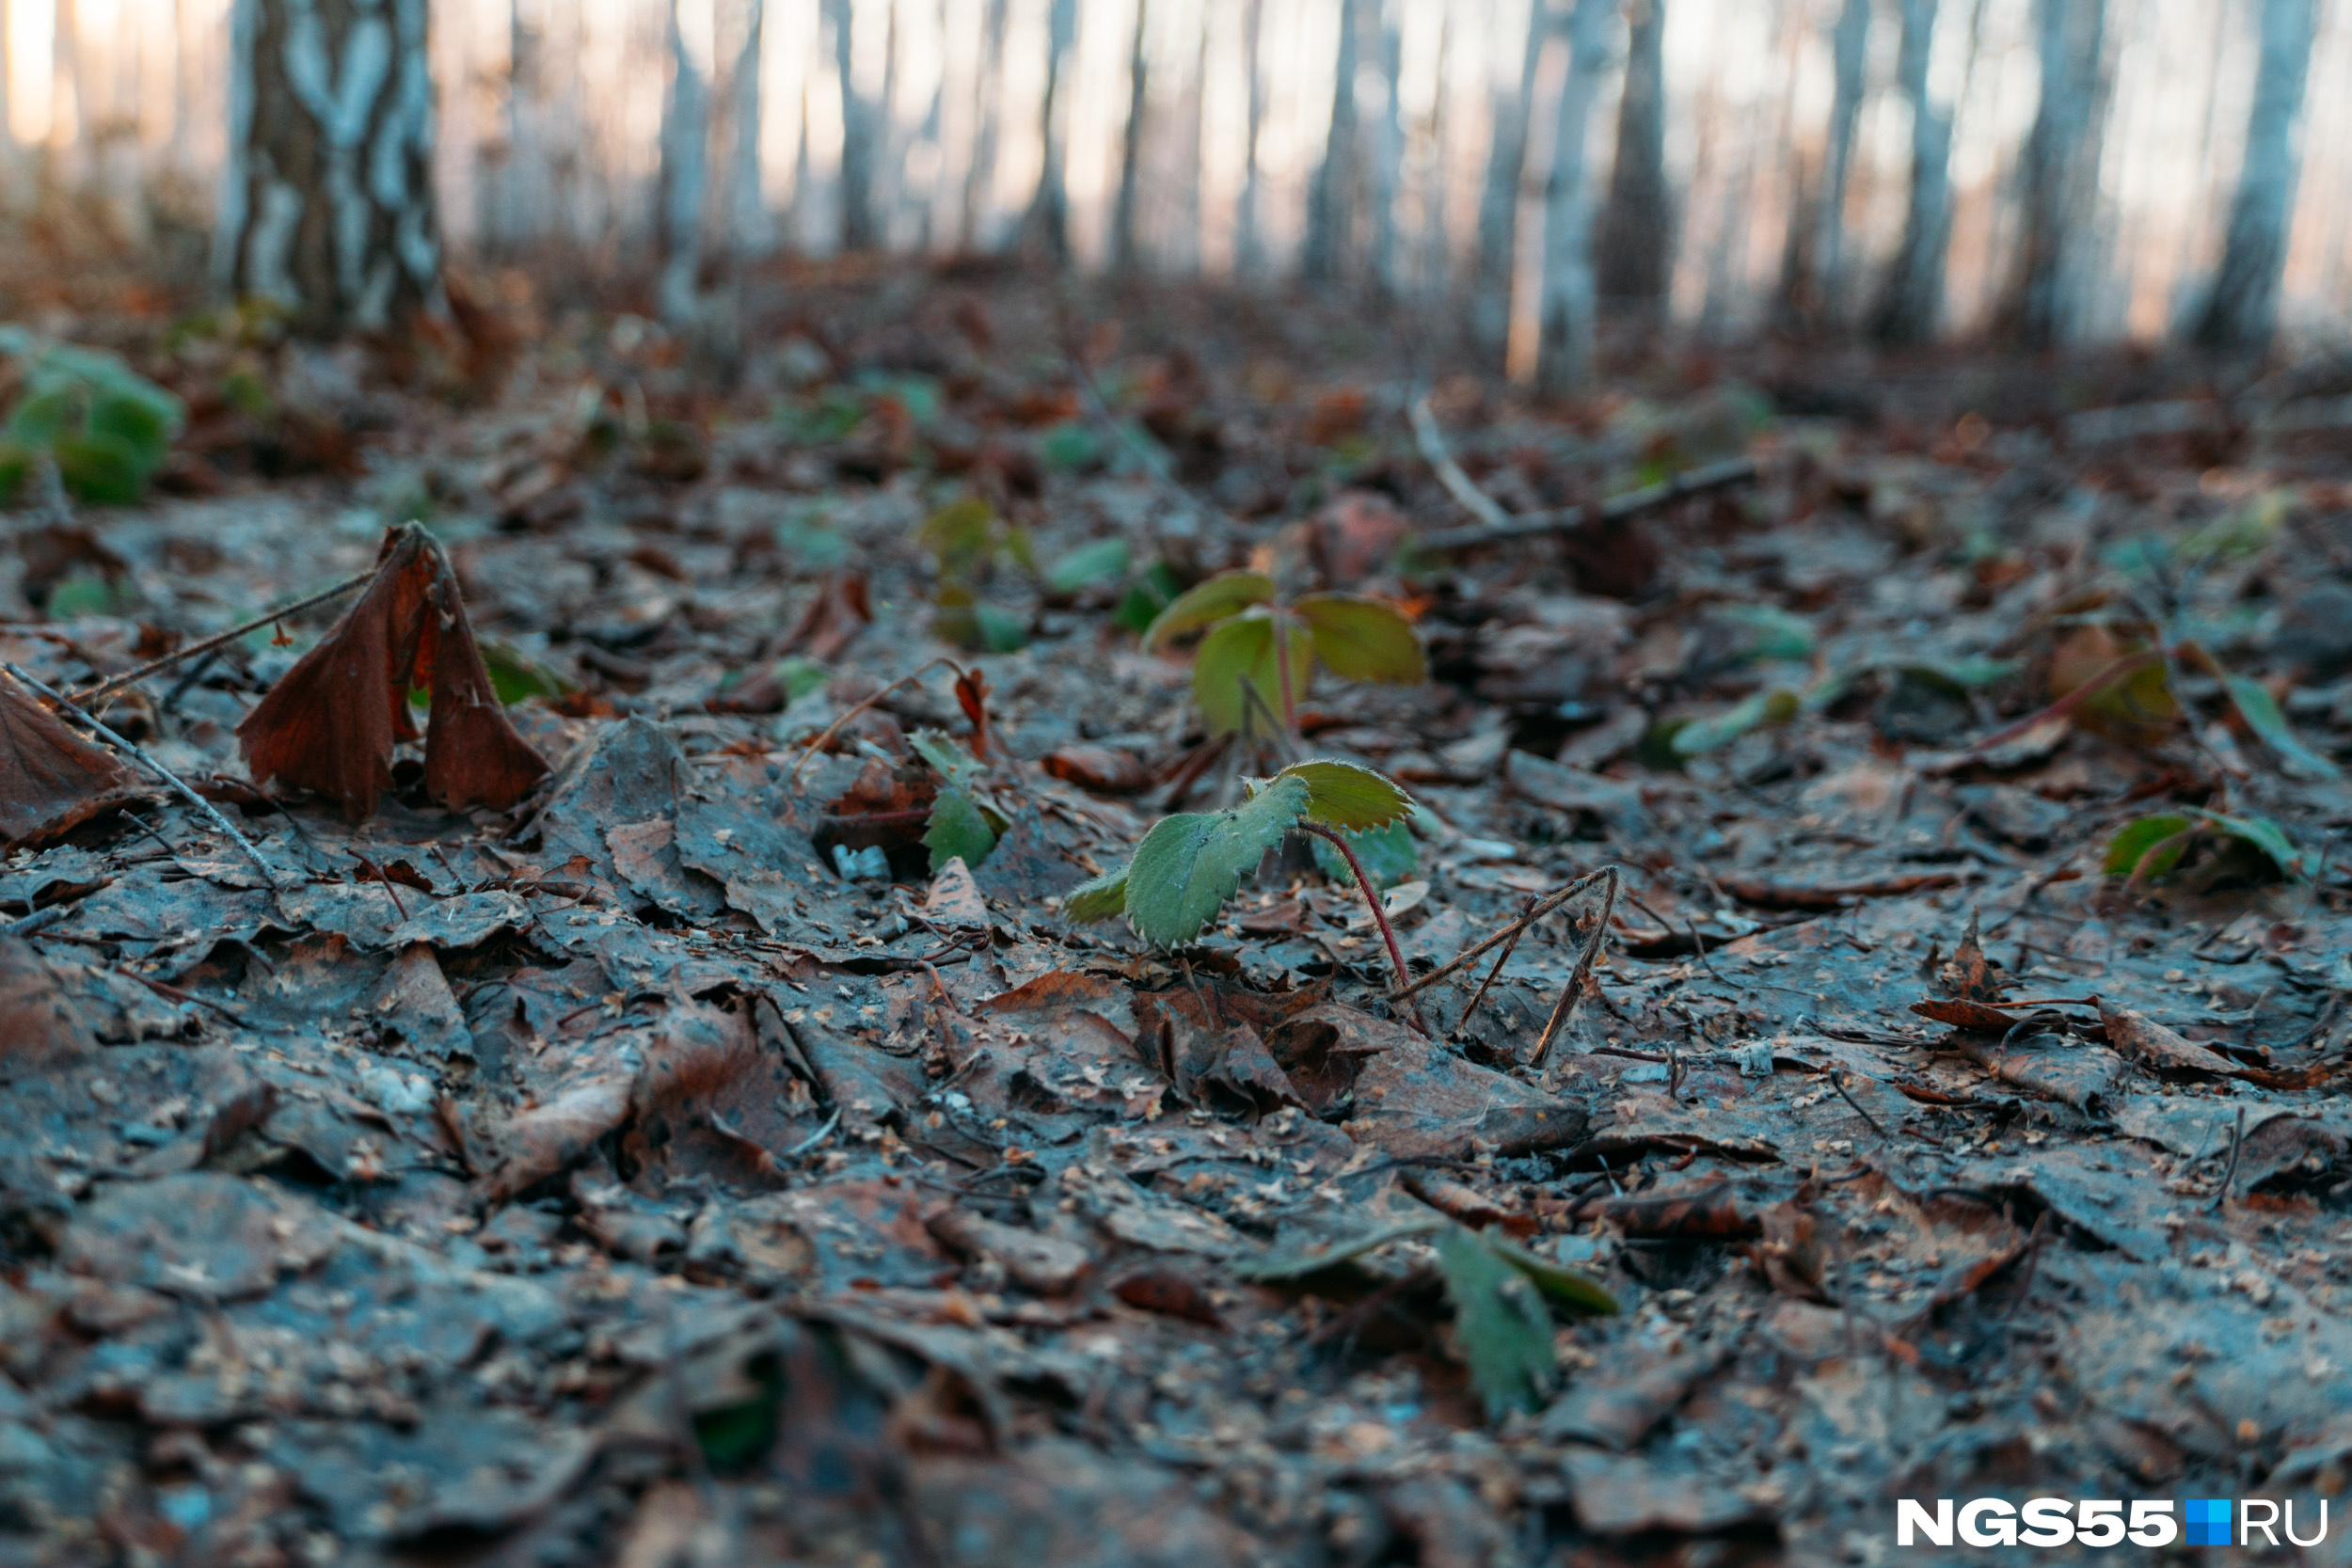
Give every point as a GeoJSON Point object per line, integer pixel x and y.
{"type": "Point", "coordinates": [1349, 795]}
{"type": "Point", "coordinates": [1363, 639]}
{"type": "Point", "coordinates": [956, 829]}
{"type": "Point", "coordinates": [1389, 856]}
{"type": "Point", "coordinates": [2260, 712]}
{"type": "Point", "coordinates": [1188, 865]}
{"type": "Point", "coordinates": [2133, 841]}
{"type": "Point", "coordinates": [1701, 735]}
{"type": "Point", "coordinates": [1504, 1331]}
{"type": "Point", "coordinates": [1564, 1287]}
{"type": "Point", "coordinates": [1088, 564]}
{"type": "Point", "coordinates": [1097, 898]}
{"type": "Point", "coordinates": [2263, 834]}
{"type": "Point", "coordinates": [1204, 604]}
{"type": "Point", "coordinates": [1242, 649]}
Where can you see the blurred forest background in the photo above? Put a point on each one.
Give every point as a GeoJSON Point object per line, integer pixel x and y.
{"type": "Point", "coordinates": [2031, 172]}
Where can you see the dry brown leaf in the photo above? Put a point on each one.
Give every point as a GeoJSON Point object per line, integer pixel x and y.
{"type": "Point", "coordinates": [330, 722]}
{"type": "Point", "coordinates": [50, 779]}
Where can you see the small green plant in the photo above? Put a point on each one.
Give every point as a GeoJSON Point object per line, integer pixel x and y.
{"type": "Point", "coordinates": [1245, 619]}
{"type": "Point", "coordinates": [969, 540]}
{"type": "Point", "coordinates": [2150, 846]}
{"type": "Point", "coordinates": [1190, 864]}
{"type": "Point", "coordinates": [107, 428]}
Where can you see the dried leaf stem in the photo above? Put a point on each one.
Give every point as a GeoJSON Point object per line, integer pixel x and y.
{"type": "Point", "coordinates": [113, 684]}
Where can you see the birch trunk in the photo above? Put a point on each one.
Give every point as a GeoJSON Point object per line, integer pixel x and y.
{"type": "Point", "coordinates": [1812, 261]}
{"type": "Point", "coordinates": [980, 176]}
{"type": "Point", "coordinates": [929, 135]}
{"type": "Point", "coordinates": [2241, 310]}
{"type": "Point", "coordinates": [1498, 199]}
{"type": "Point", "coordinates": [858, 230]}
{"type": "Point", "coordinates": [1563, 353]}
{"type": "Point", "coordinates": [680, 181]}
{"type": "Point", "coordinates": [2058, 173]}
{"type": "Point", "coordinates": [1249, 227]}
{"type": "Point", "coordinates": [1131, 147]}
{"type": "Point", "coordinates": [1634, 240]}
{"type": "Point", "coordinates": [1330, 213]}
{"type": "Point", "coordinates": [10, 155]}
{"type": "Point", "coordinates": [328, 196]}
{"type": "Point", "coordinates": [750, 233]}
{"type": "Point", "coordinates": [1911, 310]}
{"type": "Point", "coordinates": [1388, 163]}
{"type": "Point", "coordinates": [1047, 225]}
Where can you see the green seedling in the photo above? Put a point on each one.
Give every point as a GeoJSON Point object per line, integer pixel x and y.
{"type": "Point", "coordinates": [1244, 619]}
{"type": "Point", "coordinates": [107, 428]}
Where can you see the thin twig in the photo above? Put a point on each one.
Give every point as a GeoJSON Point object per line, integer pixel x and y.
{"type": "Point", "coordinates": [1470, 954]}
{"type": "Point", "coordinates": [2229, 1178]}
{"type": "Point", "coordinates": [814, 1138]}
{"type": "Point", "coordinates": [1568, 519]}
{"type": "Point", "coordinates": [165, 774]}
{"type": "Point", "coordinates": [218, 640]}
{"type": "Point", "coordinates": [390, 891]}
{"type": "Point", "coordinates": [1838, 1082]}
{"type": "Point", "coordinates": [1569, 996]}
{"type": "Point", "coordinates": [834, 728]}
{"type": "Point", "coordinates": [39, 918]}
{"type": "Point", "coordinates": [1372, 901]}
{"type": "Point", "coordinates": [1431, 435]}
{"type": "Point", "coordinates": [1501, 958]}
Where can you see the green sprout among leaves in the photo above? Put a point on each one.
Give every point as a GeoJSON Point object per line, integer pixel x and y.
{"type": "Point", "coordinates": [107, 428]}
{"type": "Point", "coordinates": [1245, 619]}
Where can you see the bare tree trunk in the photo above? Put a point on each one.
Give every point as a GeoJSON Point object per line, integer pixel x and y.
{"type": "Point", "coordinates": [889, 164]}
{"type": "Point", "coordinates": [1250, 225]}
{"type": "Point", "coordinates": [1911, 310]}
{"type": "Point", "coordinates": [1330, 207]}
{"type": "Point", "coordinates": [1131, 147]}
{"type": "Point", "coordinates": [750, 233]}
{"type": "Point", "coordinates": [1182, 250]}
{"type": "Point", "coordinates": [1498, 199]}
{"type": "Point", "coordinates": [1388, 157]}
{"type": "Point", "coordinates": [988, 82]}
{"type": "Point", "coordinates": [1047, 225]}
{"type": "Point", "coordinates": [929, 135]}
{"type": "Point", "coordinates": [1430, 271]}
{"type": "Point", "coordinates": [2241, 311]}
{"type": "Point", "coordinates": [10, 155]}
{"type": "Point", "coordinates": [1813, 258]}
{"type": "Point", "coordinates": [2058, 173]}
{"type": "Point", "coordinates": [858, 228]}
{"type": "Point", "coordinates": [1635, 241]}
{"type": "Point", "coordinates": [681, 182]}
{"type": "Point", "coordinates": [327, 201]}
{"type": "Point", "coordinates": [1564, 354]}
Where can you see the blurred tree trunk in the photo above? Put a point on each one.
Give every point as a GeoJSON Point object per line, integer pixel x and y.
{"type": "Point", "coordinates": [1911, 308]}
{"type": "Point", "coordinates": [2241, 310]}
{"type": "Point", "coordinates": [1249, 230]}
{"type": "Point", "coordinates": [1330, 205]}
{"type": "Point", "coordinates": [1498, 199]}
{"type": "Point", "coordinates": [750, 233]}
{"type": "Point", "coordinates": [327, 200]}
{"type": "Point", "coordinates": [988, 83]}
{"type": "Point", "coordinates": [889, 158]}
{"type": "Point", "coordinates": [680, 183]}
{"type": "Point", "coordinates": [1387, 156]}
{"type": "Point", "coordinates": [1635, 241]}
{"type": "Point", "coordinates": [858, 228]}
{"type": "Point", "coordinates": [929, 134]}
{"type": "Point", "coordinates": [1183, 248]}
{"type": "Point", "coordinates": [1131, 146]}
{"type": "Point", "coordinates": [2058, 174]}
{"type": "Point", "coordinates": [1563, 353]}
{"type": "Point", "coordinates": [10, 155]}
{"type": "Point", "coordinates": [1813, 256]}
{"type": "Point", "coordinates": [1047, 225]}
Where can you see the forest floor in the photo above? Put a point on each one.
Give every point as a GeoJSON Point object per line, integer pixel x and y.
{"type": "Point", "coordinates": [673, 1170]}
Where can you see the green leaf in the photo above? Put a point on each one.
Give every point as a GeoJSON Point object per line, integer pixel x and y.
{"type": "Point", "coordinates": [83, 593]}
{"type": "Point", "coordinates": [1242, 649]}
{"type": "Point", "coordinates": [957, 830]}
{"type": "Point", "coordinates": [1389, 856]}
{"type": "Point", "coordinates": [1069, 448]}
{"type": "Point", "coordinates": [1564, 1287]}
{"type": "Point", "coordinates": [2261, 713]}
{"type": "Point", "coordinates": [1700, 736]}
{"type": "Point", "coordinates": [1097, 898]}
{"type": "Point", "coordinates": [104, 470]}
{"type": "Point", "coordinates": [1504, 1331]}
{"type": "Point", "coordinates": [515, 675]}
{"type": "Point", "coordinates": [1349, 795]}
{"type": "Point", "coordinates": [1362, 639]}
{"type": "Point", "coordinates": [1770, 632]}
{"type": "Point", "coordinates": [2133, 842]}
{"type": "Point", "coordinates": [1188, 865]}
{"type": "Point", "coordinates": [1149, 594]}
{"type": "Point", "coordinates": [1203, 604]}
{"type": "Point", "coordinates": [1278, 1267]}
{"type": "Point", "coordinates": [1086, 565]}
{"type": "Point", "coordinates": [2263, 834]}
{"type": "Point", "coordinates": [959, 533]}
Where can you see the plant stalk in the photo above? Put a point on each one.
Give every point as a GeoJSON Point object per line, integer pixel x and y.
{"type": "Point", "coordinates": [1372, 902]}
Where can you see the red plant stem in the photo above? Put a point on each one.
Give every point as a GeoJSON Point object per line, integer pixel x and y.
{"type": "Point", "coordinates": [1372, 902]}
{"type": "Point", "coordinates": [2122, 669]}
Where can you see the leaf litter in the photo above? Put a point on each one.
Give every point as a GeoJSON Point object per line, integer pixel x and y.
{"type": "Point", "coordinates": [657, 1101]}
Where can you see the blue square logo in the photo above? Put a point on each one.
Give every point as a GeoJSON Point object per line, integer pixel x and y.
{"type": "Point", "coordinates": [2205, 1522]}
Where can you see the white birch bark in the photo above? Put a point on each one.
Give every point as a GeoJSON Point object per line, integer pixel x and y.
{"type": "Point", "coordinates": [2241, 308]}
{"type": "Point", "coordinates": [751, 231]}
{"type": "Point", "coordinates": [1563, 353]}
{"type": "Point", "coordinates": [681, 180]}
{"type": "Point", "coordinates": [1499, 198]}
{"type": "Point", "coordinates": [1250, 223]}
{"type": "Point", "coordinates": [1387, 156]}
{"type": "Point", "coordinates": [327, 201]}
{"type": "Point", "coordinates": [1911, 310]}
{"type": "Point", "coordinates": [1131, 146]}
